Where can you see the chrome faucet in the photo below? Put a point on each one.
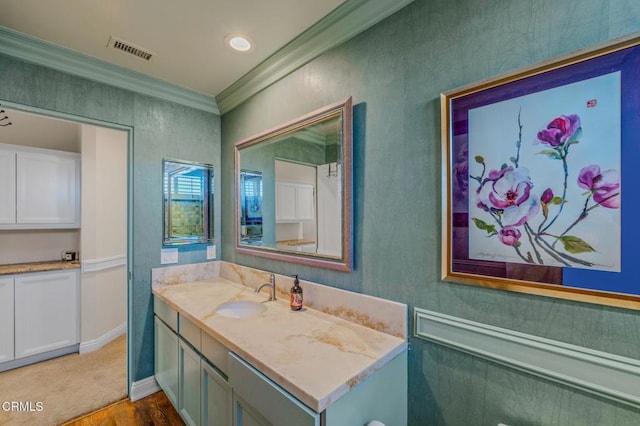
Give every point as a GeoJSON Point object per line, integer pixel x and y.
{"type": "Point", "coordinates": [272, 284]}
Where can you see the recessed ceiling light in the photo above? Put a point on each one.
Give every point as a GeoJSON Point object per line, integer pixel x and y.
{"type": "Point", "coordinates": [239, 43]}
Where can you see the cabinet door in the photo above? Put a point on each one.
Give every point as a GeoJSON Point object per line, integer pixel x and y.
{"type": "Point", "coordinates": [7, 186]}
{"type": "Point", "coordinates": [216, 397]}
{"type": "Point", "coordinates": [189, 384]}
{"type": "Point", "coordinates": [6, 319]}
{"type": "Point", "coordinates": [285, 201]}
{"type": "Point", "coordinates": [253, 390]}
{"type": "Point", "coordinates": [245, 415]}
{"type": "Point", "coordinates": [47, 188]}
{"type": "Point", "coordinates": [47, 310]}
{"type": "Point", "coordinates": [166, 360]}
{"type": "Point", "coordinates": [294, 202]}
{"type": "Point", "coordinates": [305, 202]}
{"type": "Point", "coordinates": [382, 396]}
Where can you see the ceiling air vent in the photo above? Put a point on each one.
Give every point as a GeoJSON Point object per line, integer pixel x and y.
{"type": "Point", "coordinates": [130, 48]}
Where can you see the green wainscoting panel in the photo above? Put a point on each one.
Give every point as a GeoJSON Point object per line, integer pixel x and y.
{"type": "Point", "coordinates": [608, 376]}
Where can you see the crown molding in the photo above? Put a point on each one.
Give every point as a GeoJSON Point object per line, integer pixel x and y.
{"type": "Point", "coordinates": [345, 22]}
{"type": "Point", "coordinates": [33, 50]}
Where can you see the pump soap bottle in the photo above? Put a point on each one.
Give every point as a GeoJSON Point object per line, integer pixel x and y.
{"type": "Point", "coordinates": [296, 295]}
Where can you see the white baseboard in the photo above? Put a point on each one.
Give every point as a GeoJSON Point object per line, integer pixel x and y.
{"type": "Point", "coordinates": [21, 362]}
{"type": "Point", "coordinates": [600, 373]}
{"type": "Point", "coordinates": [142, 388]}
{"type": "Point", "coordinates": [95, 344]}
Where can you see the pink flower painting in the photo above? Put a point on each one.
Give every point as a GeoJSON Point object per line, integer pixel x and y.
{"type": "Point", "coordinates": [509, 191]}
{"type": "Point", "coordinates": [548, 224]}
{"type": "Point", "coordinates": [604, 186]}
{"type": "Point", "coordinates": [560, 130]}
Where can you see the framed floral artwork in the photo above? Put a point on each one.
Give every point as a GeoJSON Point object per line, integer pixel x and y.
{"type": "Point", "coordinates": [534, 166]}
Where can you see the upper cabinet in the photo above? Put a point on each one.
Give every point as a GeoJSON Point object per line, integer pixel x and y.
{"type": "Point", "coordinates": [294, 202]}
{"type": "Point", "coordinates": [39, 188]}
{"type": "Point", "coordinates": [7, 186]}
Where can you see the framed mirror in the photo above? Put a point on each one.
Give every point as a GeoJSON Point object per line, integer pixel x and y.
{"type": "Point", "coordinates": [188, 202]}
{"type": "Point", "coordinates": [293, 190]}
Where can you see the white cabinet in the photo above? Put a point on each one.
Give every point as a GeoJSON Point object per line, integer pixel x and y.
{"type": "Point", "coordinates": [47, 188]}
{"type": "Point", "coordinates": [6, 319]}
{"type": "Point", "coordinates": [39, 188]}
{"type": "Point", "coordinates": [47, 312]}
{"type": "Point", "coordinates": [294, 202]}
{"type": "Point", "coordinates": [7, 186]}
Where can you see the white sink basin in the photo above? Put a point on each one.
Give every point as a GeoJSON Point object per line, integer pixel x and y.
{"type": "Point", "coordinates": [240, 309]}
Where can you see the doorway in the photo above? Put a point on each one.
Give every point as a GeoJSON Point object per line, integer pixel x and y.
{"type": "Point", "coordinates": [102, 240]}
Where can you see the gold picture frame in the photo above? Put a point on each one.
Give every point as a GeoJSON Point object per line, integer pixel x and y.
{"type": "Point", "coordinates": [533, 165]}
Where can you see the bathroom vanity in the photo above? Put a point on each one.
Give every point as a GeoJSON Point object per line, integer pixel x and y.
{"type": "Point", "coordinates": [340, 361]}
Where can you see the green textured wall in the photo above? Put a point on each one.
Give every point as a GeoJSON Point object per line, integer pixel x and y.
{"type": "Point", "coordinates": [395, 72]}
{"type": "Point", "coordinates": [160, 129]}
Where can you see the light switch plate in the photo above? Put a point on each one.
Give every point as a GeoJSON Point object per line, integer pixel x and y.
{"type": "Point", "coordinates": [169, 256]}
{"type": "Point", "coordinates": [211, 252]}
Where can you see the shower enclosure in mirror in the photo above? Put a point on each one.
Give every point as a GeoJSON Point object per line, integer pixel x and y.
{"type": "Point", "coordinates": [188, 202]}
{"type": "Point", "coordinates": [293, 190]}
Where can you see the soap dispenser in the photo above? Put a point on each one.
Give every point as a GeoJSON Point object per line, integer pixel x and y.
{"type": "Point", "coordinates": [296, 295]}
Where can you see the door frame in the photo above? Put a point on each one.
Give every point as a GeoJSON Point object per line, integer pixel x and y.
{"type": "Point", "coordinates": [129, 132]}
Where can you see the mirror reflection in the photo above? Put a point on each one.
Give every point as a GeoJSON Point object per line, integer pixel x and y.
{"type": "Point", "coordinates": [293, 194]}
{"type": "Point", "coordinates": [188, 202]}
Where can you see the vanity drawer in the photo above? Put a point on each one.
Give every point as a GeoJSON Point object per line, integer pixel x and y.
{"type": "Point", "coordinates": [215, 352]}
{"type": "Point", "coordinates": [266, 397]}
{"type": "Point", "coordinates": [165, 313]}
{"type": "Point", "coordinates": [189, 331]}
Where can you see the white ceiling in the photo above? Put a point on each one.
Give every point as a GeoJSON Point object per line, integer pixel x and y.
{"type": "Point", "coordinates": [36, 130]}
{"type": "Point", "coordinates": [186, 36]}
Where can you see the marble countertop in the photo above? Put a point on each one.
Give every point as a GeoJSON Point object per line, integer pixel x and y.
{"type": "Point", "coordinates": [315, 356]}
{"type": "Point", "coordinates": [23, 268]}
{"type": "Point", "coordinates": [295, 242]}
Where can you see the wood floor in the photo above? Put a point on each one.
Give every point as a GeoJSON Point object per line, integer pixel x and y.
{"type": "Point", "coordinates": [154, 410]}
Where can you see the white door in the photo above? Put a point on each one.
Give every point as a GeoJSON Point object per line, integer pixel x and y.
{"type": "Point", "coordinates": [47, 188]}
{"type": "Point", "coordinates": [329, 210]}
{"type": "Point", "coordinates": [46, 312]}
{"type": "Point", "coordinates": [6, 319]}
{"type": "Point", "coordinates": [7, 186]}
